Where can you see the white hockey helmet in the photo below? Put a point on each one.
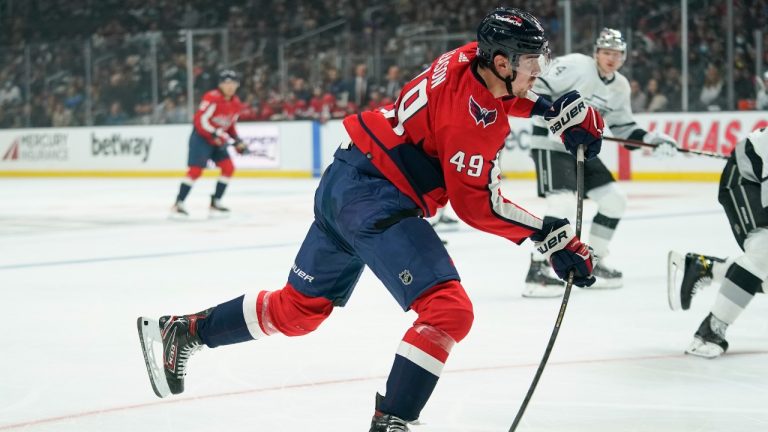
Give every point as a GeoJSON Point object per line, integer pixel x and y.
{"type": "Point", "coordinates": [613, 40]}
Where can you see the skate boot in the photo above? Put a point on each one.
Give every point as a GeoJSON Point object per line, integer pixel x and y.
{"type": "Point", "coordinates": [542, 282]}
{"type": "Point", "coordinates": [178, 211]}
{"type": "Point", "coordinates": [709, 340]}
{"type": "Point", "coordinates": [179, 340]}
{"type": "Point", "coordinates": [445, 223]}
{"type": "Point", "coordinates": [697, 274]}
{"type": "Point", "coordinates": [386, 422]}
{"type": "Point", "coordinates": [607, 278]}
{"type": "Point", "coordinates": [217, 210]}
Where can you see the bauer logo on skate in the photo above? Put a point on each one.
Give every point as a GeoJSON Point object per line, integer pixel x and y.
{"type": "Point", "coordinates": [301, 273]}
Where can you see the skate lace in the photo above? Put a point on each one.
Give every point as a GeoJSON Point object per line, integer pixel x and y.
{"type": "Point", "coordinates": [186, 353]}
{"type": "Point", "coordinates": [392, 424]}
{"type": "Point", "coordinates": [397, 425]}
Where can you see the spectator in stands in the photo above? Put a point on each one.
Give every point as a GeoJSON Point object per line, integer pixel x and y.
{"type": "Point", "coordinates": [359, 87]}
{"type": "Point", "coordinates": [762, 92]}
{"type": "Point", "coordinates": [637, 96]}
{"type": "Point", "coordinates": [375, 100]}
{"type": "Point", "coordinates": [744, 88]}
{"type": "Point", "coordinates": [656, 100]}
{"type": "Point", "coordinates": [300, 90]}
{"type": "Point", "coordinates": [393, 83]}
{"type": "Point", "coordinates": [62, 117]}
{"type": "Point", "coordinates": [250, 109]}
{"type": "Point", "coordinates": [10, 94]}
{"type": "Point", "coordinates": [320, 105]}
{"type": "Point", "coordinates": [672, 88]}
{"type": "Point", "coordinates": [171, 113]}
{"type": "Point", "coordinates": [711, 96]}
{"type": "Point", "coordinates": [116, 115]}
{"type": "Point", "coordinates": [334, 84]}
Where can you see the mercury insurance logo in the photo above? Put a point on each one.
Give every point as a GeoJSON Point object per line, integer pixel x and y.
{"type": "Point", "coordinates": [38, 147]}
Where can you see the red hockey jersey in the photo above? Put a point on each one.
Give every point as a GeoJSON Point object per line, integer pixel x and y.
{"type": "Point", "coordinates": [442, 139]}
{"type": "Point", "coordinates": [216, 117]}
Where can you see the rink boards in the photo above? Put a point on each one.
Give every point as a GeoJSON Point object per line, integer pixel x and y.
{"type": "Point", "coordinates": [304, 148]}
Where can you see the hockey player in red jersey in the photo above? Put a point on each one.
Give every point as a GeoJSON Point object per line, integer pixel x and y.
{"type": "Point", "coordinates": [440, 141]}
{"type": "Point", "coordinates": [214, 130]}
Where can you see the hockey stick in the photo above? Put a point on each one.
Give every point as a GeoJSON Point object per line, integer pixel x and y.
{"type": "Point", "coordinates": [566, 295]}
{"type": "Point", "coordinates": [681, 150]}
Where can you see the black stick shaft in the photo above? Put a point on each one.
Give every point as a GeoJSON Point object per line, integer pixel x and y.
{"type": "Point", "coordinates": [681, 150]}
{"type": "Point", "coordinates": [566, 295]}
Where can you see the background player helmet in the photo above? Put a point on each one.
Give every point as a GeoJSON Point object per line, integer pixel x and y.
{"type": "Point", "coordinates": [514, 33]}
{"type": "Point", "coordinates": [613, 40]}
{"type": "Point", "coordinates": [758, 138]}
{"type": "Point", "coordinates": [228, 75]}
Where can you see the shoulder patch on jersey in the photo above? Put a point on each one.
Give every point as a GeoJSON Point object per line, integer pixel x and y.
{"type": "Point", "coordinates": [481, 115]}
{"type": "Point", "coordinates": [463, 58]}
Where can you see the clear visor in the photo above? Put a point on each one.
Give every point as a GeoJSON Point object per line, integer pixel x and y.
{"type": "Point", "coordinates": [533, 64]}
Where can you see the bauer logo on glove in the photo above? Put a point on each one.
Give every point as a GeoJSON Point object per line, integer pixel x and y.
{"type": "Point", "coordinates": [576, 123]}
{"type": "Point", "coordinates": [575, 115]}
{"type": "Point", "coordinates": [551, 243]}
{"type": "Point", "coordinates": [565, 251]}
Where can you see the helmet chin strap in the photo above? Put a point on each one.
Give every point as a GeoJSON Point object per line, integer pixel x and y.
{"type": "Point", "coordinates": [507, 81]}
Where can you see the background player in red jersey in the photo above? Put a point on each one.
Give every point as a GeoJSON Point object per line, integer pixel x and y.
{"type": "Point", "coordinates": [440, 141]}
{"type": "Point", "coordinates": [214, 130]}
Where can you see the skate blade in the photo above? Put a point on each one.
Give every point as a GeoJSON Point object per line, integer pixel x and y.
{"type": "Point", "coordinates": [215, 214]}
{"type": "Point", "coordinates": [543, 291]}
{"type": "Point", "coordinates": [703, 349]}
{"type": "Point", "coordinates": [675, 264]}
{"type": "Point", "coordinates": [149, 334]}
{"type": "Point", "coordinates": [178, 217]}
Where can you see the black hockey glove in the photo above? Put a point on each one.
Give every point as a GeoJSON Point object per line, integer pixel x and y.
{"type": "Point", "coordinates": [240, 146]}
{"type": "Point", "coordinates": [565, 251]}
{"type": "Point", "coordinates": [576, 123]}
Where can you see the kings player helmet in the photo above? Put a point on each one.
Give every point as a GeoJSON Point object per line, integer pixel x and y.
{"type": "Point", "coordinates": [611, 39]}
{"type": "Point", "coordinates": [512, 33]}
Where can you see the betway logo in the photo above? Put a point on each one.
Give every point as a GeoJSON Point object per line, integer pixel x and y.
{"type": "Point", "coordinates": [116, 145]}
{"type": "Point", "coordinates": [38, 147]}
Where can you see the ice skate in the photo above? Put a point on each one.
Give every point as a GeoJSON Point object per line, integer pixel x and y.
{"type": "Point", "coordinates": [696, 273]}
{"type": "Point", "coordinates": [445, 223]}
{"type": "Point", "coordinates": [606, 277]}
{"type": "Point", "coordinates": [386, 422]}
{"type": "Point", "coordinates": [177, 338]}
{"type": "Point", "coordinates": [217, 210]}
{"type": "Point", "coordinates": [709, 340]}
{"type": "Point", "coordinates": [542, 282]}
{"type": "Point", "coordinates": [179, 211]}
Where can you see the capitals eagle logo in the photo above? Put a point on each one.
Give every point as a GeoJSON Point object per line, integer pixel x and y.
{"type": "Point", "coordinates": [481, 115]}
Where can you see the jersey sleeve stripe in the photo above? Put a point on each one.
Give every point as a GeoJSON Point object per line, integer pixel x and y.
{"type": "Point", "coordinates": [506, 210]}
{"type": "Point", "coordinates": [205, 119]}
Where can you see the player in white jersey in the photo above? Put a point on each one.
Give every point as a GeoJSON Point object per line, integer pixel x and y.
{"type": "Point", "coordinates": [744, 197]}
{"type": "Point", "coordinates": [598, 80]}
